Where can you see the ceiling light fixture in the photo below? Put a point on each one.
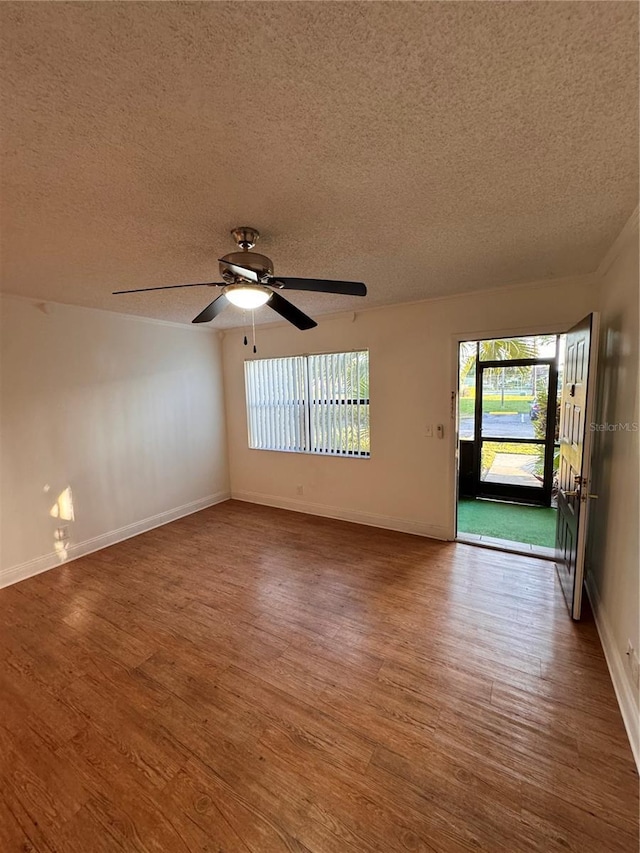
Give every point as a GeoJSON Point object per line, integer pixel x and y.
{"type": "Point", "coordinates": [247, 296]}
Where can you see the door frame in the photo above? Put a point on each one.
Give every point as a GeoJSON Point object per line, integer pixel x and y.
{"type": "Point", "coordinates": [552, 328]}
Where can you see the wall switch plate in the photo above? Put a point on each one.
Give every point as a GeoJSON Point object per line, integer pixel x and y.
{"type": "Point", "coordinates": [428, 431]}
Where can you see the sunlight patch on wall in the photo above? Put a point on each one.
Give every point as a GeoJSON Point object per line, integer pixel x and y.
{"type": "Point", "coordinates": [63, 507]}
{"type": "Point", "coordinates": [63, 510]}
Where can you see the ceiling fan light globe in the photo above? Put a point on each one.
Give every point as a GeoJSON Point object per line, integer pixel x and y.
{"type": "Point", "coordinates": [247, 296]}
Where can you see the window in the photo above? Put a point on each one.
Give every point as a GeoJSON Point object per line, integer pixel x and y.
{"type": "Point", "coordinates": [310, 403]}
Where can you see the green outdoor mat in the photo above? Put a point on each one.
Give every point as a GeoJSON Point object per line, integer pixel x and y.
{"type": "Point", "coordinates": [533, 525]}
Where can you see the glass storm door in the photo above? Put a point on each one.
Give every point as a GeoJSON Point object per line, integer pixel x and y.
{"type": "Point", "coordinates": [515, 429]}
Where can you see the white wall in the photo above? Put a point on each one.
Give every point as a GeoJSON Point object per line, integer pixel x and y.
{"type": "Point", "coordinates": [408, 482]}
{"type": "Point", "coordinates": [613, 560]}
{"type": "Point", "coordinates": [127, 412]}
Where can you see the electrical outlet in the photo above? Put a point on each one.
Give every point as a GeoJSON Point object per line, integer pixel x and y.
{"type": "Point", "coordinates": [299, 490]}
{"type": "Point", "coordinates": [61, 534]}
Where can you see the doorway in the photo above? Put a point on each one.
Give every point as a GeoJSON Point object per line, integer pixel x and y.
{"type": "Point", "coordinates": [508, 442]}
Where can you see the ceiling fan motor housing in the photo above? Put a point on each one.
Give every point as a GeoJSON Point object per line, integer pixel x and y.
{"type": "Point", "coordinates": [260, 264]}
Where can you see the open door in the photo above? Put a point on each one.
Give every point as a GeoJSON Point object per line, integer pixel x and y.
{"type": "Point", "coordinates": [574, 472]}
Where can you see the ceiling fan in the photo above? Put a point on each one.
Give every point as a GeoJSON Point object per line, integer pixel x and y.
{"type": "Point", "coordinates": [249, 282]}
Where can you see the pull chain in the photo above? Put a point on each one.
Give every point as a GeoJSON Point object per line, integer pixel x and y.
{"type": "Point", "coordinates": [244, 322]}
{"type": "Point", "coordinates": [253, 323]}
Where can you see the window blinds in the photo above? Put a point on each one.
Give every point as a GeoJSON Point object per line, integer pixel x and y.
{"type": "Point", "coordinates": [276, 403]}
{"type": "Point", "coordinates": [313, 404]}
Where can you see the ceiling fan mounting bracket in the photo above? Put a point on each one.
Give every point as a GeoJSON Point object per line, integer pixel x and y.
{"type": "Point", "coordinates": [245, 237]}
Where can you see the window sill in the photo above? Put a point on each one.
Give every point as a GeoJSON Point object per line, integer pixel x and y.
{"type": "Point", "coordinates": [335, 455]}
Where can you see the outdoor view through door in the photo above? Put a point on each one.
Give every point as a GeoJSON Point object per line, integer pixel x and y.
{"type": "Point", "coordinates": [508, 431]}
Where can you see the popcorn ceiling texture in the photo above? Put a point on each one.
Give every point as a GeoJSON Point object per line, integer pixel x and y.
{"type": "Point", "coordinates": [425, 148]}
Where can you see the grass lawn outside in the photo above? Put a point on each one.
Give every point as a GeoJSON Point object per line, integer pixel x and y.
{"type": "Point", "coordinates": [512, 403]}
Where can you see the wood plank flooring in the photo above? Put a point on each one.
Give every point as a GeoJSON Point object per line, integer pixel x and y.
{"type": "Point", "coordinates": [253, 680]}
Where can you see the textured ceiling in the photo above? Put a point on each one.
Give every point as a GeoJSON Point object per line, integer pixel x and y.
{"type": "Point", "coordinates": [425, 148]}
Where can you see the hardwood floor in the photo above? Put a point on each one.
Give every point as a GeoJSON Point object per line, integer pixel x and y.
{"type": "Point", "coordinates": [249, 679]}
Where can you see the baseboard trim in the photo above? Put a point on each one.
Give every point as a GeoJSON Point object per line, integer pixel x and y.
{"type": "Point", "coordinates": [386, 522]}
{"type": "Point", "coordinates": [22, 571]}
{"type": "Point", "coordinates": [621, 685]}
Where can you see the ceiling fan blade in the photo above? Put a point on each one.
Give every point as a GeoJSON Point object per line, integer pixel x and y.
{"type": "Point", "coordinates": [212, 310]}
{"type": "Point", "coordinates": [321, 285]}
{"type": "Point", "coordinates": [243, 272]}
{"type": "Point", "coordinates": [171, 287]}
{"type": "Point", "coordinates": [289, 311]}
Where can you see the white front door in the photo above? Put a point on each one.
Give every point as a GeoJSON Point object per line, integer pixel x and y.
{"type": "Point", "coordinates": [574, 471]}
